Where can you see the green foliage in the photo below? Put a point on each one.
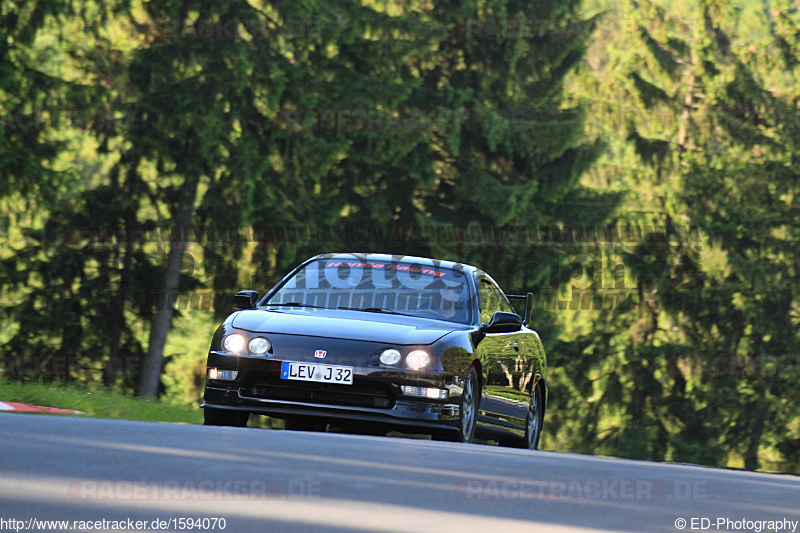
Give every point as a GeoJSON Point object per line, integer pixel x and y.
{"type": "Point", "coordinates": [716, 145]}
{"type": "Point", "coordinates": [678, 118]}
{"type": "Point", "coordinates": [185, 366]}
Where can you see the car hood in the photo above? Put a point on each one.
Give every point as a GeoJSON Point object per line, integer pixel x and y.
{"type": "Point", "coordinates": [343, 324]}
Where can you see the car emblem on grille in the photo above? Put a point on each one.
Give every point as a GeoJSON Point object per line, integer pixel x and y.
{"type": "Point", "coordinates": [320, 354]}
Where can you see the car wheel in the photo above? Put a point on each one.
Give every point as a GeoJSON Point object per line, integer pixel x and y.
{"type": "Point", "coordinates": [534, 420]}
{"type": "Point", "coordinates": [305, 423]}
{"type": "Point", "coordinates": [224, 417]}
{"type": "Point", "coordinates": [470, 400]}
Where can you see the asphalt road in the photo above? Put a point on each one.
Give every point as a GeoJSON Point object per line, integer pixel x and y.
{"type": "Point", "coordinates": [71, 468]}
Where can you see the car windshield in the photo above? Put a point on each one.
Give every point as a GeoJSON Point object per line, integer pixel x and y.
{"type": "Point", "coordinates": [422, 288]}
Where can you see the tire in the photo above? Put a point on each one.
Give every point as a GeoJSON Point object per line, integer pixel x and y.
{"type": "Point", "coordinates": [224, 417]}
{"type": "Point", "coordinates": [468, 416]}
{"type": "Point", "coordinates": [305, 423]}
{"type": "Point", "coordinates": [534, 421]}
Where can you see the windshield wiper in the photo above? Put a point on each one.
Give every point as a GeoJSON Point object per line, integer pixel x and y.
{"type": "Point", "coordinates": [296, 304]}
{"type": "Point", "coordinates": [373, 310]}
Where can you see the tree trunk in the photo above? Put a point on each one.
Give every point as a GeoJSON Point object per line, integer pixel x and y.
{"type": "Point", "coordinates": [115, 361]}
{"type": "Point", "coordinates": [150, 372]}
{"type": "Point", "coordinates": [751, 461]}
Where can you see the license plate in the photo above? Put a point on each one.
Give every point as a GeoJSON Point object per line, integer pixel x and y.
{"type": "Point", "coordinates": [342, 375]}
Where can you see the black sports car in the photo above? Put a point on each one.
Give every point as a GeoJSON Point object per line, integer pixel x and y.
{"type": "Point", "coordinates": [380, 341]}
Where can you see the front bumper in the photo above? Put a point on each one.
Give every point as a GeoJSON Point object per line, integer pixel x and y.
{"type": "Point", "coordinates": [375, 394]}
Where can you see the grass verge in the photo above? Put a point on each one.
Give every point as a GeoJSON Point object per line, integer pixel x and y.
{"type": "Point", "coordinates": [97, 402]}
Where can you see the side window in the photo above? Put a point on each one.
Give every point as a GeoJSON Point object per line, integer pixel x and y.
{"type": "Point", "coordinates": [504, 305]}
{"type": "Point", "coordinates": [491, 301]}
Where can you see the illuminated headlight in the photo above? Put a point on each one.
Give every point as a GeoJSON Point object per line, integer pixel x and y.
{"type": "Point", "coordinates": [259, 345]}
{"type": "Point", "coordinates": [390, 357]}
{"type": "Point", "coordinates": [234, 343]}
{"type": "Point", "coordinates": [217, 373]}
{"type": "Point", "coordinates": [418, 359]}
{"type": "Point", "coordinates": [426, 392]}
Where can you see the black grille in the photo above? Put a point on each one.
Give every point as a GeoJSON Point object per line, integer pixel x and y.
{"type": "Point", "coordinates": [359, 394]}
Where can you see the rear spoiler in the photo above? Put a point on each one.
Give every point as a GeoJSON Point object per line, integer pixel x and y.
{"type": "Point", "coordinates": [528, 297]}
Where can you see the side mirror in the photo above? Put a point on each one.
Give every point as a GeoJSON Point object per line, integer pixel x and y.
{"type": "Point", "coordinates": [245, 300]}
{"type": "Point", "coordinates": [503, 322]}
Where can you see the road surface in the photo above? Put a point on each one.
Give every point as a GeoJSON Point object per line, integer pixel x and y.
{"type": "Point", "coordinates": [89, 470]}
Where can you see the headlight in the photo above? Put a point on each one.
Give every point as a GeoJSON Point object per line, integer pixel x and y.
{"type": "Point", "coordinates": [259, 345]}
{"type": "Point", "coordinates": [390, 357]}
{"type": "Point", "coordinates": [234, 343]}
{"type": "Point", "coordinates": [418, 359]}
